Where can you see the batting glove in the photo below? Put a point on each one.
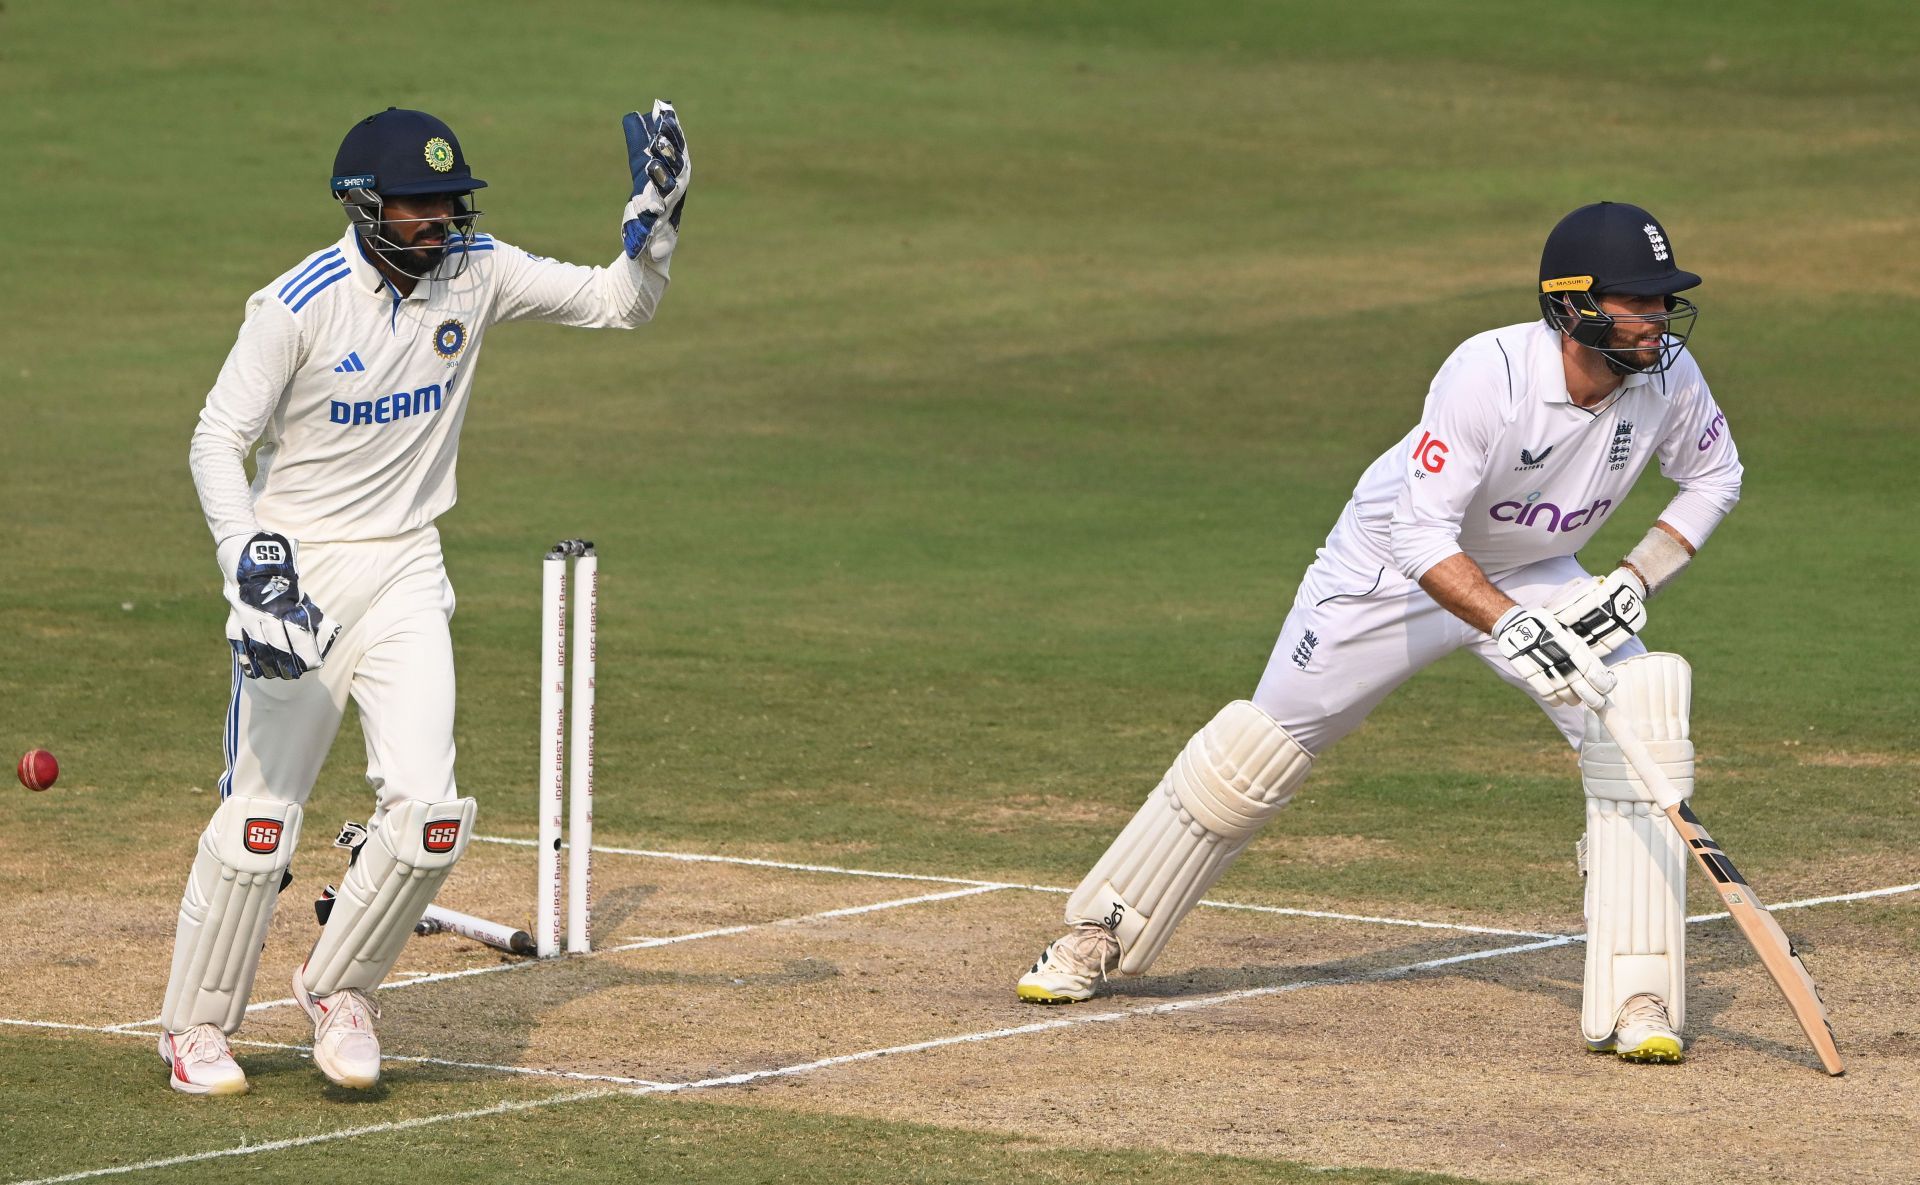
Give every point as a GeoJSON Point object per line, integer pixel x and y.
{"type": "Point", "coordinates": [1605, 611]}
{"type": "Point", "coordinates": [657, 156]}
{"type": "Point", "coordinates": [1559, 667]}
{"type": "Point", "coordinates": [275, 632]}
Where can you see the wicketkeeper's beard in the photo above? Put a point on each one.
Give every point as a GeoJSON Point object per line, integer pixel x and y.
{"type": "Point", "coordinates": [421, 262]}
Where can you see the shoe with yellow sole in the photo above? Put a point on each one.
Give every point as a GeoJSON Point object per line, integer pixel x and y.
{"type": "Point", "coordinates": [1070, 966]}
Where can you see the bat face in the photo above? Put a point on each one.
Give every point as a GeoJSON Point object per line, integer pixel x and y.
{"type": "Point", "coordinates": [1777, 952]}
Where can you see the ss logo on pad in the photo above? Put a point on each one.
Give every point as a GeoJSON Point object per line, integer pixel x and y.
{"type": "Point", "coordinates": [440, 836]}
{"type": "Point", "coordinates": [262, 836]}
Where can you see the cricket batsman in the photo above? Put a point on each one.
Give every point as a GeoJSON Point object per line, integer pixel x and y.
{"type": "Point", "coordinates": [352, 373]}
{"type": "Point", "coordinates": [1464, 534]}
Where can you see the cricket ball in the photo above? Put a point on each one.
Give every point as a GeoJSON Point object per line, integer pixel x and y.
{"type": "Point", "coordinates": [38, 769]}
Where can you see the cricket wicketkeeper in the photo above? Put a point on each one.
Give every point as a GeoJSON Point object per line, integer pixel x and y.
{"type": "Point", "coordinates": [1464, 535]}
{"type": "Point", "coordinates": [353, 372]}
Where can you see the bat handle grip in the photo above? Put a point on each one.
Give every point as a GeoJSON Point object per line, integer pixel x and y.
{"type": "Point", "coordinates": [1614, 719]}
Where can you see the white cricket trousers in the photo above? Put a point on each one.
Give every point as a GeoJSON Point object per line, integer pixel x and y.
{"type": "Point", "coordinates": [394, 658]}
{"type": "Point", "coordinates": [1356, 633]}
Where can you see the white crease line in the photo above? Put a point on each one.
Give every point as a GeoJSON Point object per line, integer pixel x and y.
{"type": "Point", "coordinates": [750, 862]}
{"type": "Point", "coordinates": [649, 943]}
{"type": "Point", "coordinates": [54, 1024]}
{"type": "Point", "coordinates": [1804, 902]}
{"type": "Point", "coordinates": [326, 1137]}
{"type": "Point", "coordinates": [531, 1071]}
{"type": "Point", "coordinates": [535, 1072]}
{"type": "Point", "coordinates": [802, 1067]}
{"type": "Point", "coordinates": [1357, 917]}
{"type": "Point", "coordinates": [1163, 1007]}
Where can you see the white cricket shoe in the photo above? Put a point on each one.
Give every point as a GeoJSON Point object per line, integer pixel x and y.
{"type": "Point", "coordinates": [1645, 1034]}
{"type": "Point", "coordinates": [201, 1062]}
{"type": "Point", "coordinates": [344, 1044]}
{"type": "Point", "coordinates": [1067, 969]}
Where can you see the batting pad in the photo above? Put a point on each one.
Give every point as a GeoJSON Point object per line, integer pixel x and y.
{"type": "Point", "coordinates": [385, 892]}
{"type": "Point", "coordinates": [1234, 775]}
{"type": "Point", "coordinates": [237, 873]}
{"type": "Point", "coordinates": [1634, 860]}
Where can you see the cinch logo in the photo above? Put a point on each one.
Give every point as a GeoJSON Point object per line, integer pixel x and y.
{"type": "Point", "coordinates": [387, 408]}
{"type": "Point", "coordinates": [1712, 433]}
{"type": "Point", "coordinates": [262, 836]}
{"type": "Point", "coordinates": [440, 836]}
{"type": "Point", "coordinates": [1527, 513]}
{"type": "Point", "coordinates": [1431, 452]}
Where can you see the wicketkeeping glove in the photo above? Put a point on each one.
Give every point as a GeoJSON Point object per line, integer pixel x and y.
{"type": "Point", "coordinates": [1604, 612]}
{"type": "Point", "coordinates": [275, 632]}
{"type": "Point", "coordinates": [657, 156]}
{"type": "Point", "coordinates": [1559, 667]}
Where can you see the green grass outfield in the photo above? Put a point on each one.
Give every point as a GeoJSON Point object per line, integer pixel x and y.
{"type": "Point", "coordinates": [1017, 359]}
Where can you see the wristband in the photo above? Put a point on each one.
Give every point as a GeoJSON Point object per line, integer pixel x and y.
{"type": "Point", "coordinates": [1658, 558]}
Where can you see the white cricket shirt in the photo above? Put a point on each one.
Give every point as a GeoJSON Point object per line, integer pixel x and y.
{"type": "Point", "coordinates": [356, 394]}
{"type": "Point", "coordinates": [1505, 468]}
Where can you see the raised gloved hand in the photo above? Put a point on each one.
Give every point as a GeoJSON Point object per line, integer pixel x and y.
{"type": "Point", "coordinates": [1559, 666]}
{"type": "Point", "coordinates": [657, 155]}
{"type": "Point", "coordinates": [275, 632]}
{"type": "Point", "coordinates": [1605, 611]}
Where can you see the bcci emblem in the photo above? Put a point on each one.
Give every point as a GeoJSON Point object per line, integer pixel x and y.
{"type": "Point", "coordinates": [449, 339]}
{"type": "Point", "coordinates": [439, 155]}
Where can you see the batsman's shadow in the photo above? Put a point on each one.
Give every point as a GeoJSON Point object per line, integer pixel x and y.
{"type": "Point", "coordinates": [1555, 972]}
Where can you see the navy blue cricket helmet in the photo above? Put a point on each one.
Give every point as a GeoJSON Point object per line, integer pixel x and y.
{"type": "Point", "coordinates": [404, 153]}
{"type": "Point", "coordinates": [1620, 249]}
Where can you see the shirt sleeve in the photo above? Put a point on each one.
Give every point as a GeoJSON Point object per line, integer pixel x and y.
{"type": "Point", "coordinates": [252, 382]}
{"type": "Point", "coordinates": [1446, 458]}
{"type": "Point", "coordinates": [1698, 454]}
{"type": "Point", "coordinates": [621, 295]}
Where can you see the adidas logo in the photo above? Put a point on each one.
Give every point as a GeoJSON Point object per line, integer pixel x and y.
{"type": "Point", "coordinates": [351, 364]}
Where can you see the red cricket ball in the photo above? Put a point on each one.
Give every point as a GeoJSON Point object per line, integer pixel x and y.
{"type": "Point", "coordinates": [38, 769]}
